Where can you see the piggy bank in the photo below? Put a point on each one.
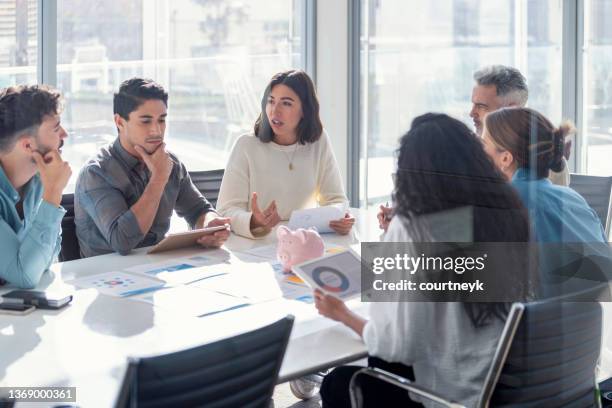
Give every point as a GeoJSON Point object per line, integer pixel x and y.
{"type": "Point", "coordinates": [295, 247]}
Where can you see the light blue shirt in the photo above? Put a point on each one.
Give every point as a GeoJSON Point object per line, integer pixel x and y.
{"type": "Point", "coordinates": [567, 232]}
{"type": "Point", "coordinates": [28, 246]}
{"type": "Point", "coordinates": [557, 213]}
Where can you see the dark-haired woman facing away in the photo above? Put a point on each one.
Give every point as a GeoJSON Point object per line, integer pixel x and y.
{"type": "Point", "coordinates": [525, 145]}
{"type": "Point", "coordinates": [288, 164]}
{"type": "Point", "coordinates": [447, 346]}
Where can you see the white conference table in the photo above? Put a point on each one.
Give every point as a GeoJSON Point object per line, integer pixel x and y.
{"type": "Point", "coordinates": [86, 344]}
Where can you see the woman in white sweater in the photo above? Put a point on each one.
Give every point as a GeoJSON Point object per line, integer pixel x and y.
{"type": "Point", "coordinates": [287, 164]}
{"type": "Point", "coordinates": [447, 347]}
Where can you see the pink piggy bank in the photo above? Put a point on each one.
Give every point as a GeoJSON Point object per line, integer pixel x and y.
{"type": "Point", "coordinates": [295, 247]}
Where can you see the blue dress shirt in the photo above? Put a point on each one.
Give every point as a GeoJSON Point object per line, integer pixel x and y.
{"type": "Point", "coordinates": [28, 245]}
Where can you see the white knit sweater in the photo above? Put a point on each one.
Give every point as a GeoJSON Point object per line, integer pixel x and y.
{"type": "Point", "coordinates": [254, 166]}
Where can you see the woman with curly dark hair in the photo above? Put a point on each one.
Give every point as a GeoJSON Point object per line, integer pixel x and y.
{"type": "Point", "coordinates": [441, 169]}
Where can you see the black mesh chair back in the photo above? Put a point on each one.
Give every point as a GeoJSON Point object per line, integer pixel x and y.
{"type": "Point", "coordinates": [70, 244]}
{"type": "Point", "coordinates": [597, 191]}
{"type": "Point", "coordinates": [546, 357]}
{"type": "Point", "coordinates": [237, 372]}
{"type": "Point", "coordinates": [208, 183]}
{"type": "Point", "coordinates": [553, 355]}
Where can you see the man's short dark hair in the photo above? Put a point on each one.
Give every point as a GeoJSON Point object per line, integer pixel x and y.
{"type": "Point", "coordinates": [24, 107]}
{"type": "Point", "coordinates": [509, 83]}
{"type": "Point", "coordinates": [134, 92]}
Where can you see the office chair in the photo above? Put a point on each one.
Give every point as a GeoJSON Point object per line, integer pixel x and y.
{"type": "Point", "coordinates": [237, 372]}
{"type": "Point", "coordinates": [597, 191]}
{"type": "Point", "coordinates": [70, 244]}
{"type": "Point", "coordinates": [208, 183]}
{"type": "Point", "coordinates": [546, 356]}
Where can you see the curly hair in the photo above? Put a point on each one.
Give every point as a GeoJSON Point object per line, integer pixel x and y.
{"type": "Point", "coordinates": [22, 110]}
{"type": "Point", "coordinates": [442, 166]}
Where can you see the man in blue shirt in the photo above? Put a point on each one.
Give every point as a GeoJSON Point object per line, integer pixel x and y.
{"type": "Point", "coordinates": [32, 179]}
{"type": "Point", "coordinates": [125, 195]}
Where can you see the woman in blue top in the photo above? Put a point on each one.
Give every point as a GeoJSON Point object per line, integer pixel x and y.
{"type": "Point", "coordinates": [525, 146]}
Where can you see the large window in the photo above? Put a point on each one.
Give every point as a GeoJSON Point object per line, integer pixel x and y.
{"type": "Point", "coordinates": [18, 42]}
{"type": "Point", "coordinates": [597, 109]}
{"type": "Point", "coordinates": [420, 56]}
{"type": "Point", "coordinates": [214, 57]}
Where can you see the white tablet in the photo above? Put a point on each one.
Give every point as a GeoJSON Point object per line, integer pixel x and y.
{"type": "Point", "coordinates": [337, 274]}
{"type": "Point", "coordinates": [184, 239]}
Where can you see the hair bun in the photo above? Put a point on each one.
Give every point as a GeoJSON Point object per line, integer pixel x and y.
{"type": "Point", "coordinates": [557, 163]}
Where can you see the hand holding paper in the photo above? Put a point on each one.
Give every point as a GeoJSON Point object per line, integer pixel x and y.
{"type": "Point", "coordinates": [343, 225]}
{"type": "Point", "coordinates": [318, 218]}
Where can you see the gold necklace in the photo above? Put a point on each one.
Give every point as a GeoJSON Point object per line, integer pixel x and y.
{"type": "Point", "coordinates": [292, 156]}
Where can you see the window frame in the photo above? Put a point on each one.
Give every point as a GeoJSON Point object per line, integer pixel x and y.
{"type": "Point", "coordinates": [573, 41]}
{"type": "Point", "coordinates": [47, 68]}
{"type": "Point", "coordinates": [572, 79]}
{"type": "Point", "coordinates": [47, 39]}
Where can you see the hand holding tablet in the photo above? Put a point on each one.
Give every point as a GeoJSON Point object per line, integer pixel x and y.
{"type": "Point", "coordinates": [217, 238]}
{"type": "Point", "coordinates": [338, 274]}
{"type": "Point", "coordinates": [185, 239]}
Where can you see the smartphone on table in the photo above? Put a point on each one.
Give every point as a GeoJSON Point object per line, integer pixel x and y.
{"type": "Point", "coordinates": [17, 309]}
